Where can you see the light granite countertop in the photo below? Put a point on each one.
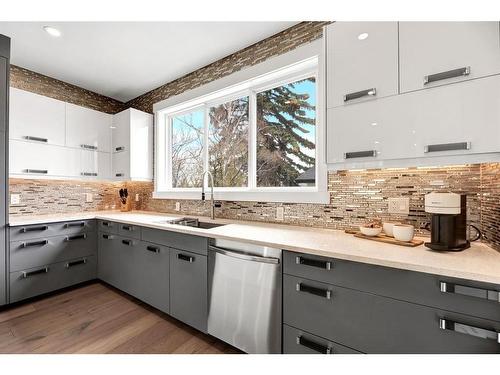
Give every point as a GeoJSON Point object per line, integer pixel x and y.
{"type": "Point", "coordinates": [478, 263]}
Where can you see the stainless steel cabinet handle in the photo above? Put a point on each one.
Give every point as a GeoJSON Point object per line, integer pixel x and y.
{"type": "Point", "coordinates": [127, 227]}
{"type": "Point", "coordinates": [36, 171]}
{"type": "Point", "coordinates": [153, 249]}
{"type": "Point", "coordinates": [27, 274]}
{"type": "Point", "coordinates": [88, 147]}
{"type": "Point", "coordinates": [186, 258]}
{"type": "Point", "coordinates": [107, 224]}
{"type": "Point", "coordinates": [460, 72]}
{"type": "Point", "coordinates": [323, 349]}
{"type": "Point", "coordinates": [469, 330]}
{"type": "Point", "coordinates": [360, 154]}
{"type": "Point", "coordinates": [71, 225]}
{"type": "Point", "coordinates": [327, 265]}
{"type": "Point", "coordinates": [119, 148]}
{"type": "Point", "coordinates": [119, 175]}
{"type": "Point", "coordinates": [35, 243]}
{"type": "Point", "coordinates": [325, 293]}
{"type": "Point", "coordinates": [89, 174]}
{"type": "Point", "coordinates": [36, 139]}
{"type": "Point", "coordinates": [107, 236]}
{"type": "Point", "coordinates": [127, 242]}
{"type": "Point", "coordinates": [76, 263]}
{"type": "Point", "coordinates": [243, 256]}
{"type": "Point", "coordinates": [360, 94]}
{"type": "Point", "coordinates": [447, 147]}
{"type": "Point", "coordinates": [34, 229]}
{"type": "Point", "coordinates": [75, 238]}
{"type": "Point", "coordinates": [491, 295]}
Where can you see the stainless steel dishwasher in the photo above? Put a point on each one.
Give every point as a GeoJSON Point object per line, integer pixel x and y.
{"type": "Point", "coordinates": [245, 295]}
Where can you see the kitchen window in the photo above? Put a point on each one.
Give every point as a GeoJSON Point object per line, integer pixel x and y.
{"type": "Point", "coordinates": [259, 138]}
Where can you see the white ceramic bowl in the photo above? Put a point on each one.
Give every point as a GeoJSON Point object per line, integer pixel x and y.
{"type": "Point", "coordinates": [403, 232]}
{"type": "Point", "coordinates": [370, 231]}
{"type": "Point", "coordinates": [388, 226]}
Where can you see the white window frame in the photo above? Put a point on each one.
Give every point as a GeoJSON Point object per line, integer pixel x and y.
{"type": "Point", "coordinates": [300, 63]}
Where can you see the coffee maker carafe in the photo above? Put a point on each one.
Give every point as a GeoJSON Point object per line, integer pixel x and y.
{"type": "Point", "coordinates": [448, 222]}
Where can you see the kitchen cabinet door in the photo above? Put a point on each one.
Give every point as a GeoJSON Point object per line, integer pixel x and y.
{"type": "Point", "coordinates": [116, 260]}
{"type": "Point", "coordinates": [362, 61]}
{"type": "Point", "coordinates": [141, 146]}
{"type": "Point", "coordinates": [438, 53]}
{"type": "Point", "coordinates": [95, 165]}
{"type": "Point", "coordinates": [89, 129]}
{"type": "Point", "coordinates": [121, 166]}
{"type": "Point", "coordinates": [188, 288]}
{"type": "Point", "coordinates": [120, 133]}
{"type": "Point", "coordinates": [33, 159]}
{"type": "Point", "coordinates": [36, 117]}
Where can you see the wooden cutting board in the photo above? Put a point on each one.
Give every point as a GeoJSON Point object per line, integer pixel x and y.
{"type": "Point", "coordinates": [386, 239]}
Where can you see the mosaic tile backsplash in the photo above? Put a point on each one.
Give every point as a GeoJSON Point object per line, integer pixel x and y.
{"type": "Point", "coordinates": [355, 197]}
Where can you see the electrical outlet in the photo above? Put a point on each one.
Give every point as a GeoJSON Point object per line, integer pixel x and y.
{"type": "Point", "coordinates": [89, 198]}
{"type": "Point", "coordinates": [280, 213]}
{"type": "Point", "coordinates": [137, 197]}
{"type": "Point", "coordinates": [177, 206]}
{"type": "Point", "coordinates": [15, 198]}
{"type": "Point", "coordinates": [399, 206]}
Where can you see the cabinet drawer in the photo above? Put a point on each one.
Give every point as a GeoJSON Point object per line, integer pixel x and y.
{"type": "Point", "coordinates": [375, 324]}
{"type": "Point", "coordinates": [27, 232]}
{"type": "Point", "coordinates": [181, 241]}
{"type": "Point", "coordinates": [36, 281]}
{"type": "Point", "coordinates": [188, 288]}
{"type": "Point", "coordinates": [42, 251]}
{"type": "Point", "coordinates": [129, 230]}
{"type": "Point", "coordinates": [296, 341]}
{"type": "Point", "coordinates": [107, 226]}
{"type": "Point", "coordinates": [463, 296]}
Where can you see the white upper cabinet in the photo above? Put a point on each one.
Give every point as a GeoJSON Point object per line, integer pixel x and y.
{"type": "Point", "coordinates": [36, 118]}
{"type": "Point", "coordinates": [362, 61]}
{"type": "Point", "coordinates": [95, 165]}
{"type": "Point", "coordinates": [132, 146]}
{"type": "Point", "coordinates": [88, 129]}
{"type": "Point", "coordinates": [438, 53]}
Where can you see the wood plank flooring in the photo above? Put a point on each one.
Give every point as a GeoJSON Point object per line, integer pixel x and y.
{"type": "Point", "coordinates": [96, 318]}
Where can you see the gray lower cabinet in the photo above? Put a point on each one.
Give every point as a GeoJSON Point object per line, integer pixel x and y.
{"type": "Point", "coordinates": [188, 288]}
{"type": "Point", "coordinates": [296, 341]}
{"type": "Point", "coordinates": [195, 244]}
{"type": "Point", "coordinates": [375, 324]}
{"type": "Point", "coordinates": [29, 232]}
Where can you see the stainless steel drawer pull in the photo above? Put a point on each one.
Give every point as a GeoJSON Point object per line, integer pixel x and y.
{"type": "Point", "coordinates": [71, 225]}
{"type": "Point", "coordinates": [327, 265]}
{"type": "Point", "coordinates": [460, 72]}
{"type": "Point", "coordinates": [469, 330]}
{"type": "Point", "coordinates": [323, 349]}
{"type": "Point", "coordinates": [119, 148]}
{"type": "Point", "coordinates": [35, 243]}
{"type": "Point", "coordinates": [127, 227]}
{"type": "Point", "coordinates": [491, 295]}
{"type": "Point", "coordinates": [153, 249]}
{"type": "Point", "coordinates": [186, 258]}
{"type": "Point", "coordinates": [36, 171]}
{"type": "Point", "coordinates": [75, 238]}
{"type": "Point", "coordinates": [89, 174]}
{"type": "Point", "coordinates": [447, 147]}
{"type": "Point", "coordinates": [107, 236]}
{"type": "Point", "coordinates": [360, 94]}
{"type": "Point", "coordinates": [88, 147]}
{"type": "Point", "coordinates": [360, 154]}
{"type": "Point", "coordinates": [127, 242]}
{"type": "Point", "coordinates": [107, 224]}
{"type": "Point", "coordinates": [325, 293]}
{"type": "Point", "coordinates": [34, 229]}
{"type": "Point", "coordinates": [76, 263]}
{"type": "Point", "coordinates": [27, 274]}
{"type": "Point", "coordinates": [36, 139]}
{"type": "Point", "coordinates": [119, 174]}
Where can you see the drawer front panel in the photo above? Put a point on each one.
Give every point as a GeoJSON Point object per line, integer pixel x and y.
{"type": "Point", "coordinates": [36, 281]}
{"type": "Point", "coordinates": [472, 298]}
{"type": "Point", "coordinates": [181, 241]}
{"type": "Point", "coordinates": [129, 230]}
{"type": "Point", "coordinates": [25, 232]}
{"type": "Point", "coordinates": [43, 251]}
{"type": "Point", "coordinates": [374, 324]}
{"type": "Point", "coordinates": [107, 226]}
{"type": "Point", "coordinates": [296, 341]}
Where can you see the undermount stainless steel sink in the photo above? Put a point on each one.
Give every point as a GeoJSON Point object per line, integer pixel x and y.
{"type": "Point", "coordinates": [191, 222]}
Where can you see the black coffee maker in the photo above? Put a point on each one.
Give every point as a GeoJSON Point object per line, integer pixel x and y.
{"type": "Point", "coordinates": [448, 223]}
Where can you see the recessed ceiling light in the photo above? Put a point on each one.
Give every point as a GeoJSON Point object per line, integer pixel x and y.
{"type": "Point", "coordinates": [52, 31]}
{"type": "Point", "coordinates": [363, 36]}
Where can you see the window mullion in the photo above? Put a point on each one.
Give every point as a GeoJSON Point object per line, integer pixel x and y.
{"type": "Point", "coordinates": [252, 140]}
{"type": "Point", "coordinates": [206, 145]}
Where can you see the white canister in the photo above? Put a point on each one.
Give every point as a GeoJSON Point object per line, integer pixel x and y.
{"type": "Point", "coordinates": [388, 226]}
{"type": "Point", "coordinates": [403, 232]}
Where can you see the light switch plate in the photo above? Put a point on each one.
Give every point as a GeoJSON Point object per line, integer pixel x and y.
{"type": "Point", "coordinates": [280, 213]}
{"type": "Point", "coordinates": [137, 197]}
{"type": "Point", "coordinates": [89, 197]}
{"type": "Point", "coordinates": [399, 206]}
{"type": "Point", "coordinates": [177, 206]}
{"type": "Point", "coordinates": [15, 198]}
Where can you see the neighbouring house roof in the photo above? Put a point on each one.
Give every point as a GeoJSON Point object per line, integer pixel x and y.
{"type": "Point", "coordinates": [307, 176]}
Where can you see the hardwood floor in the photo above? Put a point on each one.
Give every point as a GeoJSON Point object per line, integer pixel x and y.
{"type": "Point", "coordinates": [96, 318]}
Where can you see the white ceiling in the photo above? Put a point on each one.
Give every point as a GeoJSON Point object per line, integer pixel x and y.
{"type": "Point", "coordinates": [123, 60]}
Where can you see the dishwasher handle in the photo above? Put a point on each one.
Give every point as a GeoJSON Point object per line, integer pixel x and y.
{"type": "Point", "coordinates": [244, 256]}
